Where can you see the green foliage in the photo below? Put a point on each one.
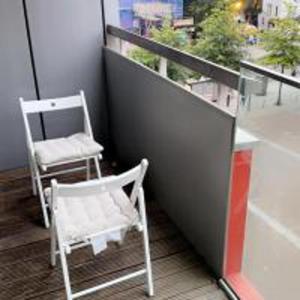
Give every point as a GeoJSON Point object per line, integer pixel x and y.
{"type": "Point", "coordinates": [282, 43]}
{"type": "Point", "coordinates": [165, 35]}
{"type": "Point", "coordinates": [178, 73]}
{"type": "Point", "coordinates": [253, 6]}
{"type": "Point", "coordinates": [220, 39]}
{"type": "Point", "coordinates": [201, 9]}
{"type": "Point", "coordinates": [168, 36]}
{"type": "Point", "coordinates": [145, 57]}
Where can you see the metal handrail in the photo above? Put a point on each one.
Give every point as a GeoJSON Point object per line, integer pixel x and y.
{"type": "Point", "coordinates": [209, 69]}
{"type": "Point", "coordinates": [292, 81]}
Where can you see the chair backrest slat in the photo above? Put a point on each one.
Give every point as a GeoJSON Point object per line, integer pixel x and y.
{"type": "Point", "coordinates": [106, 184]}
{"type": "Point", "coordinates": [55, 104]}
{"type": "Point", "coordinates": [51, 104]}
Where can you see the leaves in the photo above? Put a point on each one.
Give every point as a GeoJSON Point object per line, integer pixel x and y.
{"type": "Point", "coordinates": [220, 40]}
{"type": "Point", "coordinates": [201, 9]}
{"type": "Point", "coordinates": [145, 57]}
{"type": "Point", "coordinates": [282, 42]}
{"type": "Point", "coordinates": [165, 35]}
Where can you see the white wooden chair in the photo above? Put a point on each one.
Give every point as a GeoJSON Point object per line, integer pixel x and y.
{"type": "Point", "coordinates": [55, 152]}
{"type": "Point", "coordinates": [84, 212]}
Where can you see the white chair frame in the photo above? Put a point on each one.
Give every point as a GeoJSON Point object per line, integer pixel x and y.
{"type": "Point", "coordinates": [46, 105]}
{"type": "Point", "coordinates": [94, 187]}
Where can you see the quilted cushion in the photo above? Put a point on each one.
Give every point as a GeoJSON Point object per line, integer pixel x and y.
{"type": "Point", "coordinates": [80, 217]}
{"type": "Point", "coordinates": [76, 146]}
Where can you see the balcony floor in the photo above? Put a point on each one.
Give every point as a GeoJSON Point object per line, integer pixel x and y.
{"type": "Point", "coordinates": [24, 255]}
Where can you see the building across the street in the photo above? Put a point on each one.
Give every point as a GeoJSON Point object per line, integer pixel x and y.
{"type": "Point", "coordinates": [272, 9]}
{"type": "Point", "coordinates": [138, 13]}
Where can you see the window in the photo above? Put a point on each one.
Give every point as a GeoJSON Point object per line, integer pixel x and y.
{"type": "Point", "coordinates": [269, 9]}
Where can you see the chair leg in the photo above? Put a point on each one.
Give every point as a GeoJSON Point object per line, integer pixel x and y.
{"type": "Point", "coordinates": [34, 189]}
{"type": "Point", "coordinates": [98, 170]}
{"type": "Point", "coordinates": [88, 170]}
{"type": "Point", "coordinates": [42, 198]}
{"type": "Point", "coordinates": [150, 288]}
{"type": "Point", "coordinates": [65, 271]}
{"type": "Point", "coordinates": [53, 243]}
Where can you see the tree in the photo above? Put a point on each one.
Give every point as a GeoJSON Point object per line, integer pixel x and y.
{"type": "Point", "coordinates": [165, 35]}
{"type": "Point", "coordinates": [145, 57]}
{"type": "Point", "coordinates": [202, 9]}
{"type": "Point", "coordinates": [220, 40]}
{"type": "Point", "coordinates": [252, 8]}
{"type": "Point", "coordinates": [282, 43]}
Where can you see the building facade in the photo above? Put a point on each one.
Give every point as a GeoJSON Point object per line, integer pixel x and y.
{"type": "Point", "coordinates": [127, 15]}
{"type": "Point", "coordinates": [274, 9]}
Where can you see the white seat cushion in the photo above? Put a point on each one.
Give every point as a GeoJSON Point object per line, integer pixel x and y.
{"type": "Point", "coordinates": [60, 150]}
{"type": "Point", "coordinates": [80, 217]}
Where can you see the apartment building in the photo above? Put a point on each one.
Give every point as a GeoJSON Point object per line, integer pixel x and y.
{"type": "Point", "coordinates": [274, 9]}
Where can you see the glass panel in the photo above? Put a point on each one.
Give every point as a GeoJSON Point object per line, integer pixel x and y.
{"type": "Point", "coordinates": [267, 171]}
{"type": "Point", "coordinates": [216, 92]}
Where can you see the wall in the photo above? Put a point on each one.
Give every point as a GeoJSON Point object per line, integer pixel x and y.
{"type": "Point", "coordinates": [188, 143]}
{"type": "Point", "coordinates": [66, 45]}
{"type": "Point", "coordinates": [16, 80]}
{"type": "Point", "coordinates": [66, 39]}
{"type": "Point", "coordinates": [275, 9]}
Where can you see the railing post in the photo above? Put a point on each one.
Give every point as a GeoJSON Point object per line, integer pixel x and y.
{"type": "Point", "coordinates": [163, 67]}
{"type": "Point", "coordinates": [123, 47]}
{"type": "Point", "coordinates": [114, 43]}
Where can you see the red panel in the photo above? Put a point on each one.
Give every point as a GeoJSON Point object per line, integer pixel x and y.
{"type": "Point", "coordinates": [238, 211]}
{"type": "Point", "coordinates": [237, 225]}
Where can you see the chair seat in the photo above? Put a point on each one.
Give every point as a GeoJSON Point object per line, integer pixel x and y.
{"type": "Point", "coordinates": [80, 217]}
{"type": "Point", "coordinates": [60, 150]}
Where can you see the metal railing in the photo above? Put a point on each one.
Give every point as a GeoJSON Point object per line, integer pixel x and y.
{"type": "Point", "coordinates": [209, 69]}
{"type": "Point", "coordinates": [220, 74]}
{"type": "Point", "coordinates": [292, 81]}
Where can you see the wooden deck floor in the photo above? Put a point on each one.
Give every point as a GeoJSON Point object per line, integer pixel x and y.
{"type": "Point", "coordinates": [179, 273]}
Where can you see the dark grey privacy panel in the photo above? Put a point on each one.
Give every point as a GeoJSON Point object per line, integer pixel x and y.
{"type": "Point", "coordinates": [16, 80]}
{"type": "Point", "coordinates": [67, 39]}
{"type": "Point", "coordinates": [188, 143]}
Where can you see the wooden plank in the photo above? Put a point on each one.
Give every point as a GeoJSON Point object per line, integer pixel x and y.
{"type": "Point", "coordinates": [24, 258]}
{"type": "Point", "coordinates": [14, 225]}
{"type": "Point", "coordinates": [174, 284]}
{"type": "Point", "coordinates": [208, 292]}
{"type": "Point", "coordinates": [163, 267]}
{"type": "Point", "coordinates": [51, 279]}
{"type": "Point", "coordinates": [15, 263]}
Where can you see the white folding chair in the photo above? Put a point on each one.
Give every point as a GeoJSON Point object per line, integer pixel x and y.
{"type": "Point", "coordinates": [55, 152]}
{"type": "Point", "coordinates": [83, 212]}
